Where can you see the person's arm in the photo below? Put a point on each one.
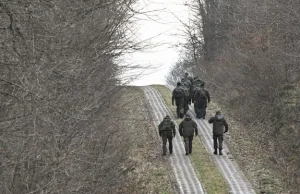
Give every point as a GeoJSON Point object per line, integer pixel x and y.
{"type": "Point", "coordinates": [195, 127]}
{"type": "Point", "coordinates": [159, 127]}
{"type": "Point", "coordinates": [193, 96]}
{"type": "Point", "coordinates": [208, 96]}
{"type": "Point", "coordinates": [180, 129]}
{"type": "Point", "coordinates": [211, 120]}
{"type": "Point", "coordinates": [173, 128]}
{"type": "Point", "coordinates": [226, 126]}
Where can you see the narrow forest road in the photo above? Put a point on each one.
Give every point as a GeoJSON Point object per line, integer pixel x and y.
{"type": "Point", "coordinates": [230, 170]}
{"type": "Point", "coordinates": [183, 170]}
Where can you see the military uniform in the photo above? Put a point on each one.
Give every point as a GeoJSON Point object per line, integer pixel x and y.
{"type": "Point", "coordinates": [186, 88]}
{"type": "Point", "coordinates": [220, 127]}
{"type": "Point", "coordinates": [179, 97]}
{"type": "Point", "coordinates": [167, 132]}
{"type": "Point", "coordinates": [201, 99]}
{"type": "Point", "coordinates": [187, 129]}
{"type": "Point", "coordinates": [189, 78]}
{"type": "Point", "coordinates": [198, 82]}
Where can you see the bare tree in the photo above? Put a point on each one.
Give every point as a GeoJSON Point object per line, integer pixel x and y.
{"type": "Point", "coordinates": [250, 49]}
{"type": "Point", "coordinates": [58, 85]}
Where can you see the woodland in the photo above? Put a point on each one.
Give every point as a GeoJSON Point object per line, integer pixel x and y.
{"type": "Point", "coordinates": [247, 52]}
{"type": "Point", "coordinates": [60, 80]}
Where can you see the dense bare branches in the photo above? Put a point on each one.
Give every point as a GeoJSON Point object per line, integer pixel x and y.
{"type": "Point", "coordinates": [250, 48]}
{"type": "Point", "coordinates": [58, 80]}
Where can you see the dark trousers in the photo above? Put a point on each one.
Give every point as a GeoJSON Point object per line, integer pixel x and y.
{"type": "Point", "coordinates": [188, 144]}
{"type": "Point", "coordinates": [166, 138]}
{"type": "Point", "coordinates": [218, 138]}
{"type": "Point", "coordinates": [180, 107]}
{"type": "Point", "coordinates": [186, 105]}
{"type": "Point", "coordinates": [200, 109]}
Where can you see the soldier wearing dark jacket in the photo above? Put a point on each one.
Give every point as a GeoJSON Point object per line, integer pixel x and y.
{"type": "Point", "coordinates": [186, 88]}
{"type": "Point", "coordinates": [179, 98]}
{"type": "Point", "coordinates": [187, 129]}
{"type": "Point", "coordinates": [197, 81]}
{"type": "Point", "coordinates": [167, 131]}
{"type": "Point", "coordinates": [186, 76]}
{"type": "Point", "coordinates": [201, 99]}
{"type": "Point", "coordinates": [220, 127]}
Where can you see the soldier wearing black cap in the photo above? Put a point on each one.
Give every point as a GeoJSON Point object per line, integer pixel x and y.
{"type": "Point", "coordinates": [178, 96]}
{"type": "Point", "coordinates": [187, 129]}
{"type": "Point", "coordinates": [167, 132]}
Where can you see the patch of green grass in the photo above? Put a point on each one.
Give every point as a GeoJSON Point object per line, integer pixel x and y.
{"type": "Point", "coordinates": [210, 177]}
{"type": "Point", "coordinates": [158, 173]}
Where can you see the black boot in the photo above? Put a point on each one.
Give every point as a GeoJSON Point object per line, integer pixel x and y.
{"type": "Point", "coordinates": [220, 152]}
{"type": "Point", "coordinates": [216, 152]}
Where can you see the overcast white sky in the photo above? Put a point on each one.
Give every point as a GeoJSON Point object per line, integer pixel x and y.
{"type": "Point", "coordinates": [163, 24]}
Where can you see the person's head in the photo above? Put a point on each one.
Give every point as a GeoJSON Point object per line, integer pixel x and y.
{"type": "Point", "coordinates": [167, 117]}
{"type": "Point", "coordinates": [202, 85]}
{"type": "Point", "coordinates": [187, 116]}
{"type": "Point", "coordinates": [178, 84]}
{"type": "Point", "coordinates": [182, 80]}
{"type": "Point", "coordinates": [186, 74]}
{"type": "Point", "coordinates": [218, 115]}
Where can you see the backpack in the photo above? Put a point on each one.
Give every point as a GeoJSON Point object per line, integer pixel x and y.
{"type": "Point", "coordinates": [200, 93]}
{"type": "Point", "coordinates": [166, 128]}
{"type": "Point", "coordinates": [178, 93]}
{"type": "Point", "coordinates": [186, 91]}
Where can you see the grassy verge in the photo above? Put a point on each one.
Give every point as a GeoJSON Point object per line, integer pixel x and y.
{"type": "Point", "coordinates": [250, 155]}
{"type": "Point", "coordinates": [148, 172]}
{"type": "Point", "coordinates": [207, 172]}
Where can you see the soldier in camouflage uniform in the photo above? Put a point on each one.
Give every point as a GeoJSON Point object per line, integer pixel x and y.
{"type": "Point", "coordinates": [197, 81]}
{"type": "Point", "coordinates": [220, 127]}
{"type": "Point", "coordinates": [190, 81]}
{"type": "Point", "coordinates": [178, 95]}
{"type": "Point", "coordinates": [186, 88]}
{"type": "Point", "coordinates": [167, 132]}
{"type": "Point", "coordinates": [187, 129]}
{"type": "Point", "coordinates": [187, 77]}
{"type": "Point", "coordinates": [201, 98]}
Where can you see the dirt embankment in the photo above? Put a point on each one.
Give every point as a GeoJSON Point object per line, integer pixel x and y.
{"type": "Point", "coordinates": [146, 171]}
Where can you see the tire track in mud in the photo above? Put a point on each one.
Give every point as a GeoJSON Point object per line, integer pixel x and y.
{"type": "Point", "coordinates": [183, 170]}
{"type": "Point", "coordinates": [235, 178]}
{"type": "Point", "coordinates": [230, 170]}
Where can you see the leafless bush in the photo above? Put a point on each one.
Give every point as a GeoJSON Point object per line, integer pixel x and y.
{"type": "Point", "coordinates": [58, 80]}
{"type": "Point", "coordinates": [251, 49]}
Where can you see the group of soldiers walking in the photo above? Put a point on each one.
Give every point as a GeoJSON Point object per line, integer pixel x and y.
{"type": "Point", "coordinates": [190, 91]}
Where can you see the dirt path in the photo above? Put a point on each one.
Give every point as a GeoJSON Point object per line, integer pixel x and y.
{"type": "Point", "coordinates": [183, 170]}
{"type": "Point", "coordinates": [229, 169]}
